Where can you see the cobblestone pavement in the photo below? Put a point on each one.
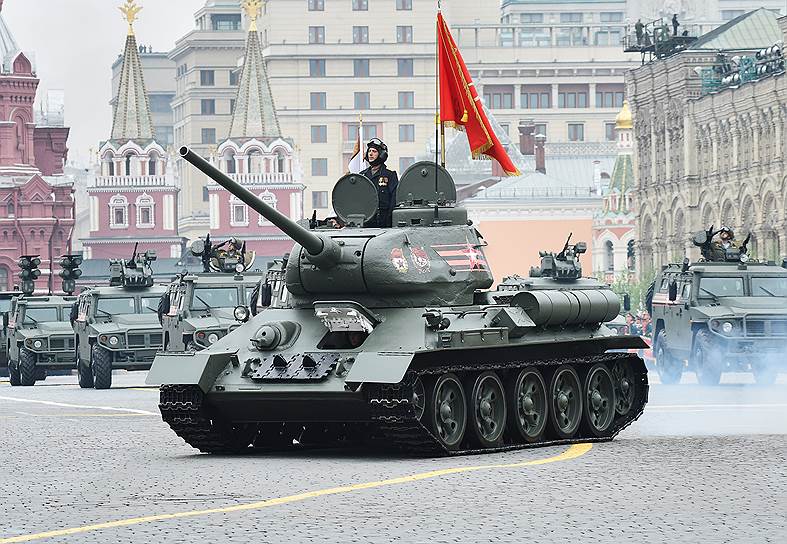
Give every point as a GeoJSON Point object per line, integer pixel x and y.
{"type": "Point", "coordinates": [701, 465]}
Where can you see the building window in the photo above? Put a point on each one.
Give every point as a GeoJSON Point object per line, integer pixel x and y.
{"type": "Point", "coordinates": [406, 133]}
{"type": "Point", "coordinates": [406, 100]}
{"type": "Point", "coordinates": [317, 68]}
{"type": "Point", "coordinates": [360, 5]}
{"type": "Point", "coordinates": [319, 134]}
{"type": "Point", "coordinates": [128, 163]}
{"type": "Point", "coordinates": [316, 5]}
{"type": "Point", "coordinates": [232, 105]}
{"type": "Point", "coordinates": [319, 199]}
{"type": "Point", "coordinates": [152, 165]}
{"type": "Point", "coordinates": [144, 205]}
{"type": "Point", "coordinates": [534, 100]}
{"type": "Point", "coordinates": [316, 34]}
{"type": "Point", "coordinates": [208, 135]}
{"type": "Point", "coordinates": [369, 132]}
{"type": "Point", "coordinates": [270, 199]}
{"type": "Point", "coordinates": [404, 34]}
{"type": "Point", "coordinates": [609, 131]}
{"type": "Point", "coordinates": [226, 21]}
{"type": "Point", "coordinates": [205, 194]}
{"type": "Point", "coordinates": [532, 18]}
{"type": "Point", "coordinates": [229, 161]}
{"type": "Point", "coordinates": [405, 163]}
{"type": "Point", "coordinates": [609, 99]}
{"type": "Point", "coordinates": [405, 67]}
{"type": "Point", "coordinates": [611, 17]}
{"type": "Point", "coordinates": [362, 101]}
{"type": "Point", "coordinates": [11, 209]}
{"type": "Point", "coordinates": [576, 132]}
{"type": "Point", "coordinates": [207, 106]}
{"type": "Point", "coordinates": [234, 77]}
{"type": "Point", "coordinates": [317, 101]}
{"type": "Point", "coordinates": [207, 78]}
{"type": "Point", "coordinates": [499, 100]}
{"type": "Point", "coordinates": [570, 17]}
{"type": "Point", "coordinates": [730, 14]}
{"type": "Point", "coordinates": [404, 5]}
{"type": "Point", "coordinates": [360, 34]}
{"type": "Point", "coordinates": [118, 212]}
{"type": "Point", "coordinates": [572, 100]}
{"type": "Point", "coordinates": [160, 103]}
{"type": "Point", "coordinates": [361, 67]}
{"type": "Point", "coordinates": [239, 213]}
{"type": "Point", "coordinates": [319, 167]}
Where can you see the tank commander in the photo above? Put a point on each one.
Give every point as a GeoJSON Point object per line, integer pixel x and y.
{"type": "Point", "coordinates": [384, 179]}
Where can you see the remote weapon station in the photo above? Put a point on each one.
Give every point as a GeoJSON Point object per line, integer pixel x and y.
{"type": "Point", "coordinates": [394, 335]}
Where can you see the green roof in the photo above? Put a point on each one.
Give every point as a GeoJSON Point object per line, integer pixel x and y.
{"type": "Point", "coordinates": [753, 30]}
{"type": "Point", "coordinates": [622, 180]}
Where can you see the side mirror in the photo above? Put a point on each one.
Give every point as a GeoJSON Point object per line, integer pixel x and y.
{"type": "Point", "coordinates": [626, 302]}
{"type": "Point", "coordinates": [673, 291]}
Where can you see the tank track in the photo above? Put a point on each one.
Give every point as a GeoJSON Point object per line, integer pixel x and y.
{"type": "Point", "coordinates": [396, 423]}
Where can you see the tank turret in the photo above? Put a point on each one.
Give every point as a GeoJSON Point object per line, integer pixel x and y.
{"type": "Point", "coordinates": [133, 273]}
{"type": "Point", "coordinates": [229, 256]}
{"type": "Point", "coordinates": [563, 266]}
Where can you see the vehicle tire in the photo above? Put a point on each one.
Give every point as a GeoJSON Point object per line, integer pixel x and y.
{"type": "Point", "coordinates": [669, 367]}
{"type": "Point", "coordinates": [27, 367]}
{"type": "Point", "coordinates": [706, 359]}
{"type": "Point", "coordinates": [565, 402]}
{"type": "Point", "coordinates": [447, 411]}
{"type": "Point", "coordinates": [764, 373]}
{"type": "Point", "coordinates": [101, 365]}
{"type": "Point", "coordinates": [486, 407]}
{"type": "Point", "coordinates": [527, 406]}
{"type": "Point", "coordinates": [84, 374]}
{"type": "Point", "coordinates": [13, 374]}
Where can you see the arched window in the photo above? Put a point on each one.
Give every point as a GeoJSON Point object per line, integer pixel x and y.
{"type": "Point", "coordinates": [270, 199]}
{"type": "Point", "coordinates": [145, 217]}
{"type": "Point", "coordinates": [229, 161]}
{"type": "Point", "coordinates": [152, 161]}
{"type": "Point", "coordinates": [128, 163]}
{"type": "Point", "coordinates": [239, 213]}
{"type": "Point", "coordinates": [11, 209]}
{"type": "Point", "coordinates": [609, 256]}
{"type": "Point", "coordinates": [108, 164]}
{"type": "Point", "coordinates": [281, 162]}
{"type": "Point", "coordinates": [254, 161]}
{"type": "Point", "coordinates": [118, 212]}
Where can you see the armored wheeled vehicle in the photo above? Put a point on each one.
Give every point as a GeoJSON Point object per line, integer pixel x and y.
{"type": "Point", "coordinates": [717, 316]}
{"type": "Point", "coordinates": [117, 327]}
{"type": "Point", "coordinates": [7, 299]}
{"type": "Point", "coordinates": [393, 335]}
{"type": "Point", "coordinates": [40, 338]}
{"type": "Point", "coordinates": [198, 309]}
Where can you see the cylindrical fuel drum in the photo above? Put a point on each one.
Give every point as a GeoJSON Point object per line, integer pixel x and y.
{"type": "Point", "coordinates": [570, 307]}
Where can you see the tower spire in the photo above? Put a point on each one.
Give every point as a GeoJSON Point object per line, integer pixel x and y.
{"type": "Point", "coordinates": [255, 112]}
{"type": "Point", "coordinates": [131, 119]}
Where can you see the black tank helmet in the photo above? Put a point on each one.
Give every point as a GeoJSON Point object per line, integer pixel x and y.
{"type": "Point", "coordinates": [727, 230]}
{"type": "Point", "coordinates": [382, 149]}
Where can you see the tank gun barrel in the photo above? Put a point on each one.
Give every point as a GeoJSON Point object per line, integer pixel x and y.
{"type": "Point", "coordinates": [316, 246]}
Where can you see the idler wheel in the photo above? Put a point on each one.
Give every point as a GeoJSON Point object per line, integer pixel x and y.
{"type": "Point", "coordinates": [448, 411]}
{"type": "Point", "coordinates": [527, 405]}
{"type": "Point", "coordinates": [565, 410]}
{"type": "Point", "coordinates": [487, 409]}
{"type": "Point", "coordinates": [599, 401]}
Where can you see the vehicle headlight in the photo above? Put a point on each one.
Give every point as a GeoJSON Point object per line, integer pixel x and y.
{"type": "Point", "coordinates": [241, 313]}
{"type": "Point", "coordinates": [239, 268]}
{"type": "Point", "coordinates": [38, 344]}
{"type": "Point", "coordinates": [744, 258]}
{"type": "Point", "coordinates": [213, 338]}
{"type": "Point", "coordinates": [727, 327]}
{"type": "Point", "coordinates": [113, 340]}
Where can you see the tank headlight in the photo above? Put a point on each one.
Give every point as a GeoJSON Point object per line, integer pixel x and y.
{"type": "Point", "coordinates": [239, 268]}
{"type": "Point", "coordinates": [241, 313]}
{"type": "Point", "coordinates": [744, 258]}
{"type": "Point", "coordinates": [38, 344]}
{"type": "Point", "coordinates": [213, 338]}
{"type": "Point", "coordinates": [113, 340]}
{"type": "Point", "coordinates": [727, 327]}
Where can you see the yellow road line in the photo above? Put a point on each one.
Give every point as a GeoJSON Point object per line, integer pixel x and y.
{"type": "Point", "coordinates": [571, 453]}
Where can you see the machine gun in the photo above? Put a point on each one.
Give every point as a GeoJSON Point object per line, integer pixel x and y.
{"type": "Point", "coordinates": [135, 272]}
{"type": "Point", "coordinates": [564, 266]}
{"type": "Point", "coordinates": [228, 256]}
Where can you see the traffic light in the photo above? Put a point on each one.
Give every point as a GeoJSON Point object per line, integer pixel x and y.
{"type": "Point", "coordinates": [71, 272]}
{"type": "Point", "coordinates": [30, 272]}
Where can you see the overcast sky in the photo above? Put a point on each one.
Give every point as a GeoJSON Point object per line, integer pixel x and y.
{"type": "Point", "coordinates": [75, 42]}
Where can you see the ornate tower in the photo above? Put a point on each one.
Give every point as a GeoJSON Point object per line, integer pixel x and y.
{"type": "Point", "coordinates": [256, 155]}
{"type": "Point", "coordinates": [134, 195]}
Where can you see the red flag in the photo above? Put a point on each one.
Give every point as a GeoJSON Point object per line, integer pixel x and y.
{"type": "Point", "coordinates": [460, 105]}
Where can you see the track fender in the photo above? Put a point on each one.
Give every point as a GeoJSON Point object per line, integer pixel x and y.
{"type": "Point", "coordinates": [188, 368]}
{"type": "Point", "coordinates": [380, 367]}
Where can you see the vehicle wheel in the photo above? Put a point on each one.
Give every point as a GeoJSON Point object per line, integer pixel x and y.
{"type": "Point", "coordinates": [670, 369]}
{"type": "Point", "coordinates": [487, 408]}
{"type": "Point", "coordinates": [27, 367]}
{"type": "Point", "coordinates": [625, 387]}
{"type": "Point", "coordinates": [447, 411]}
{"type": "Point", "coordinates": [599, 401]}
{"type": "Point", "coordinates": [84, 374]}
{"type": "Point", "coordinates": [101, 365]}
{"type": "Point", "coordinates": [527, 405]}
{"type": "Point", "coordinates": [418, 401]}
{"type": "Point", "coordinates": [13, 373]}
{"type": "Point", "coordinates": [565, 401]}
{"type": "Point", "coordinates": [707, 359]}
{"type": "Point", "coordinates": [764, 373]}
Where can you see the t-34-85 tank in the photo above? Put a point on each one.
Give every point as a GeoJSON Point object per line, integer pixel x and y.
{"type": "Point", "coordinates": [394, 334]}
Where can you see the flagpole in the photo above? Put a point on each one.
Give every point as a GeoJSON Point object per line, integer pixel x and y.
{"type": "Point", "coordinates": [437, 120]}
{"type": "Point", "coordinates": [360, 137]}
{"type": "Point", "coordinates": [440, 119]}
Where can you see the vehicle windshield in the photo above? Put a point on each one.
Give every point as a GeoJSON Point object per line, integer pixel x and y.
{"type": "Point", "coordinates": [150, 304]}
{"type": "Point", "coordinates": [769, 287]}
{"type": "Point", "coordinates": [39, 315]}
{"type": "Point", "coordinates": [214, 297]}
{"type": "Point", "coordinates": [721, 287]}
{"type": "Point", "coordinates": [107, 307]}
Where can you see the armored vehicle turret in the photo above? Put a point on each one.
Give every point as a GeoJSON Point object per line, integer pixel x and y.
{"type": "Point", "coordinates": [394, 333]}
{"type": "Point", "coordinates": [198, 309]}
{"type": "Point", "coordinates": [40, 338]}
{"type": "Point", "coordinates": [117, 327]}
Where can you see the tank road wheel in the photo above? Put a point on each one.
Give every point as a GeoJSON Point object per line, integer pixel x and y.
{"type": "Point", "coordinates": [84, 374]}
{"type": "Point", "coordinates": [599, 402]}
{"type": "Point", "coordinates": [448, 411]}
{"type": "Point", "coordinates": [706, 359]}
{"type": "Point", "coordinates": [625, 387]}
{"type": "Point", "coordinates": [669, 367]}
{"type": "Point", "coordinates": [418, 401]}
{"type": "Point", "coordinates": [13, 373]}
{"type": "Point", "coordinates": [565, 410]}
{"type": "Point", "coordinates": [101, 364]}
{"type": "Point", "coordinates": [487, 406]}
{"type": "Point", "coordinates": [527, 405]}
{"type": "Point", "coordinates": [27, 367]}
